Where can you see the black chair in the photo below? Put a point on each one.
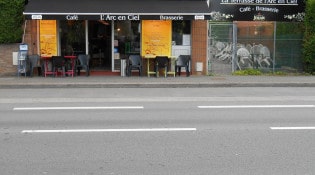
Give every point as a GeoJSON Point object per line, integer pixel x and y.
{"type": "Point", "coordinates": [134, 62]}
{"type": "Point", "coordinates": [58, 63]}
{"type": "Point", "coordinates": [182, 61]}
{"type": "Point", "coordinates": [34, 61]}
{"type": "Point", "coordinates": [161, 62]}
{"type": "Point", "coordinates": [83, 63]}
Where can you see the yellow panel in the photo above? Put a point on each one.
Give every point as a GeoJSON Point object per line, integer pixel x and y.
{"type": "Point", "coordinates": [156, 38]}
{"type": "Point", "coordinates": [48, 37]}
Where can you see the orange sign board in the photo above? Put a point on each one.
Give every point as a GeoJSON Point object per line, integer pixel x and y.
{"type": "Point", "coordinates": [48, 37]}
{"type": "Point", "coordinates": [156, 37]}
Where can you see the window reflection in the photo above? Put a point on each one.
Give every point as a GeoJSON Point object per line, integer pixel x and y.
{"type": "Point", "coordinates": [72, 37]}
{"type": "Point", "coordinates": [179, 29]}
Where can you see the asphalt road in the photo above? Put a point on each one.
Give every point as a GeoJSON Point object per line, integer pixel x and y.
{"type": "Point", "coordinates": [157, 131]}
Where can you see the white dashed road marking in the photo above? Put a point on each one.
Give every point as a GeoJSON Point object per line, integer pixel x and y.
{"type": "Point", "coordinates": [110, 130]}
{"type": "Point", "coordinates": [76, 108]}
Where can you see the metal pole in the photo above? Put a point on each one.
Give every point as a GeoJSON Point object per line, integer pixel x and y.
{"type": "Point", "coordinates": [234, 46]}
{"type": "Point", "coordinates": [86, 37]}
{"type": "Point", "coordinates": [274, 47]}
{"type": "Point", "coordinates": [23, 39]}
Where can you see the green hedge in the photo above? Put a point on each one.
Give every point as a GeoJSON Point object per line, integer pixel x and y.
{"type": "Point", "coordinates": [11, 21]}
{"type": "Point", "coordinates": [309, 37]}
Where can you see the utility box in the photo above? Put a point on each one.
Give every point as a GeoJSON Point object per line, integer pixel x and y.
{"type": "Point", "coordinates": [15, 58]}
{"type": "Point", "coordinates": [199, 66]}
{"type": "Point", "coordinates": [22, 64]}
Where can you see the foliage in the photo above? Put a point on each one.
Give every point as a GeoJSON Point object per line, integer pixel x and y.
{"type": "Point", "coordinates": [11, 17]}
{"type": "Point", "coordinates": [280, 73]}
{"type": "Point", "coordinates": [247, 72]}
{"type": "Point", "coordinates": [292, 29]}
{"type": "Point", "coordinates": [309, 37]}
{"type": "Point", "coordinates": [284, 28]}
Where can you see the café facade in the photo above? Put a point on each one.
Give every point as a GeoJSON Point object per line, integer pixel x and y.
{"type": "Point", "coordinates": [111, 30]}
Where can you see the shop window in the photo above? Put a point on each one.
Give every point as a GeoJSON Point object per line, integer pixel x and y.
{"type": "Point", "coordinates": [127, 37]}
{"type": "Point", "coordinates": [181, 32]}
{"type": "Point", "coordinates": [72, 37]}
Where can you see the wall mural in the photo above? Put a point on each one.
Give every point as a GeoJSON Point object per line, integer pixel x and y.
{"type": "Point", "coordinates": [247, 56]}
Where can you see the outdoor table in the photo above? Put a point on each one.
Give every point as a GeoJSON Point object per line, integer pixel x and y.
{"type": "Point", "coordinates": [149, 59]}
{"type": "Point", "coordinates": [72, 59]}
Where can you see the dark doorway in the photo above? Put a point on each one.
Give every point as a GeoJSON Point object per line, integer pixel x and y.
{"type": "Point", "coordinates": [100, 45]}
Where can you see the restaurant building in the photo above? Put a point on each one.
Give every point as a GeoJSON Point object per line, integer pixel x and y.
{"type": "Point", "coordinates": [221, 36]}
{"type": "Point", "coordinates": [113, 29]}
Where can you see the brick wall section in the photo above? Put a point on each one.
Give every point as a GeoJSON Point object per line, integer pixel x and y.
{"type": "Point", "coordinates": [6, 62]}
{"type": "Point", "coordinates": [199, 45]}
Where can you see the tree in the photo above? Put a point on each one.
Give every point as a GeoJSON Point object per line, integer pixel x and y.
{"type": "Point", "coordinates": [11, 20]}
{"type": "Point", "coordinates": [309, 37]}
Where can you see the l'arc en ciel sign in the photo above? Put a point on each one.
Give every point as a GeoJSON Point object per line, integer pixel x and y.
{"type": "Point", "coordinates": [120, 17]}
{"type": "Point", "coordinates": [257, 10]}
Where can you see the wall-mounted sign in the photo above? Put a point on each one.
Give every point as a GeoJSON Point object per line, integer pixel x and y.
{"type": "Point", "coordinates": [257, 10]}
{"type": "Point", "coordinates": [175, 17]}
{"type": "Point", "coordinates": [37, 17]}
{"type": "Point", "coordinates": [72, 17]}
{"type": "Point", "coordinates": [172, 17]}
{"type": "Point", "coordinates": [199, 17]}
{"type": "Point", "coordinates": [108, 17]}
{"type": "Point", "coordinates": [112, 17]}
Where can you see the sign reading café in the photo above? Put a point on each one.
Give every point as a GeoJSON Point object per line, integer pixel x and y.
{"type": "Point", "coordinates": [257, 10]}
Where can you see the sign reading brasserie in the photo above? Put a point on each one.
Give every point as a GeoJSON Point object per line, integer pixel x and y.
{"type": "Point", "coordinates": [257, 10]}
{"type": "Point", "coordinates": [153, 17]}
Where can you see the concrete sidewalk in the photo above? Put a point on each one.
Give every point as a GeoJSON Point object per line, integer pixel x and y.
{"type": "Point", "coordinates": [161, 82]}
{"type": "Point", "coordinates": [152, 82]}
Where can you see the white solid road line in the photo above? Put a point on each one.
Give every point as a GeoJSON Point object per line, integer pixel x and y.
{"type": "Point", "coordinates": [293, 128]}
{"type": "Point", "coordinates": [76, 108]}
{"type": "Point", "coordinates": [108, 130]}
{"type": "Point", "coordinates": [257, 106]}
